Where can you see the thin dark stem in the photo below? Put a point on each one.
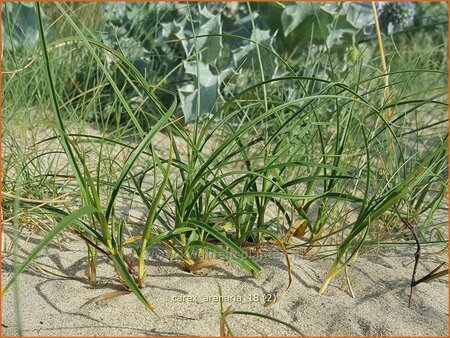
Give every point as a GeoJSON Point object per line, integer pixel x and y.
{"type": "Point", "coordinates": [433, 274]}
{"type": "Point", "coordinates": [408, 224]}
{"type": "Point", "coordinates": [84, 238]}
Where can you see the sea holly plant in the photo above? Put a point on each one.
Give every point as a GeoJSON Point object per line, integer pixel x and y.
{"type": "Point", "coordinates": [208, 47]}
{"type": "Point", "coordinates": [252, 51]}
{"type": "Point", "coordinates": [199, 98]}
{"type": "Point", "coordinates": [19, 25]}
{"type": "Point", "coordinates": [397, 15]}
{"type": "Point", "coordinates": [197, 48]}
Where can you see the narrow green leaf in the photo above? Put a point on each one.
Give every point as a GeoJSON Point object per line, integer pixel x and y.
{"type": "Point", "coordinates": [254, 267]}
{"type": "Point", "coordinates": [123, 272]}
{"type": "Point", "coordinates": [47, 239]}
{"type": "Point", "coordinates": [293, 328]}
{"type": "Point", "coordinates": [135, 155]}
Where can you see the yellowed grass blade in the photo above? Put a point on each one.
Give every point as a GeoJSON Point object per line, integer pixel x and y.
{"type": "Point", "coordinates": [197, 266]}
{"type": "Point", "coordinates": [276, 298]}
{"type": "Point", "coordinates": [132, 239]}
{"type": "Point", "coordinates": [297, 229]}
{"type": "Point", "coordinates": [229, 310]}
{"type": "Point", "coordinates": [107, 296]}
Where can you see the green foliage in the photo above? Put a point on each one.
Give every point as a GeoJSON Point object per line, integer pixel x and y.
{"type": "Point", "coordinates": [19, 25]}
{"type": "Point", "coordinates": [198, 48]}
{"type": "Point", "coordinates": [211, 50]}
{"type": "Point", "coordinates": [397, 15]}
{"type": "Point", "coordinates": [288, 140]}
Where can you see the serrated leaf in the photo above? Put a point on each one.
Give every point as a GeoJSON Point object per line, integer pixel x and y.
{"type": "Point", "coordinates": [206, 23]}
{"type": "Point", "coordinates": [22, 30]}
{"type": "Point", "coordinates": [294, 14]}
{"type": "Point", "coordinates": [209, 84]}
{"type": "Point", "coordinates": [210, 47]}
{"type": "Point", "coordinates": [248, 51]}
{"type": "Point", "coordinates": [359, 14]}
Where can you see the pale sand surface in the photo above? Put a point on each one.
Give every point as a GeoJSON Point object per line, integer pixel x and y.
{"type": "Point", "coordinates": [52, 305]}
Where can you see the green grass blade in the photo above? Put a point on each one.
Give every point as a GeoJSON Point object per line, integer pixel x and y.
{"type": "Point", "coordinates": [155, 202]}
{"type": "Point", "coordinates": [251, 266]}
{"type": "Point", "coordinates": [47, 239]}
{"type": "Point", "coordinates": [260, 315]}
{"type": "Point", "coordinates": [123, 272]}
{"type": "Point", "coordinates": [61, 128]}
{"type": "Point", "coordinates": [135, 155]}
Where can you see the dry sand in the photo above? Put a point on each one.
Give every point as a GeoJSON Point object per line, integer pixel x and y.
{"type": "Point", "coordinates": [186, 305]}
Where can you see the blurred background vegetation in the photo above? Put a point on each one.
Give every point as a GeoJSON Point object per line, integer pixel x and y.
{"type": "Point", "coordinates": [311, 39]}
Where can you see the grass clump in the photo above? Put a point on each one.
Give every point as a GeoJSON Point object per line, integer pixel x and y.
{"type": "Point", "coordinates": [331, 158]}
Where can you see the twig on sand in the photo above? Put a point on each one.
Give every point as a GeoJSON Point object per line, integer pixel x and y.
{"type": "Point", "coordinates": [430, 276]}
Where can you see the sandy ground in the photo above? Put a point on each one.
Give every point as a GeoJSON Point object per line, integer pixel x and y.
{"type": "Point", "coordinates": [187, 304]}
